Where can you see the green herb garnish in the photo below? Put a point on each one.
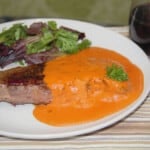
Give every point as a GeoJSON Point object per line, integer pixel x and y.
{"type": "Point", "coordinates": [116, 72]}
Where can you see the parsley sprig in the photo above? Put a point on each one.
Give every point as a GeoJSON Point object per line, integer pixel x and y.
{"type": "Point", "coordinates": [116, 72]}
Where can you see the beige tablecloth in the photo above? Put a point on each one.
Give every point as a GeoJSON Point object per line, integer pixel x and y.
{"type": "Point", "coordinates": [132, 133]}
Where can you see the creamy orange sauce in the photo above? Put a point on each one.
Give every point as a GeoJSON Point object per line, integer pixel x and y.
{"type": "Point", "coordinates": [81, 90]}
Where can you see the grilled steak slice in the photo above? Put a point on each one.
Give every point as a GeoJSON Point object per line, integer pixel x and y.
{"type": "Point", "coordinates": [24, 85]}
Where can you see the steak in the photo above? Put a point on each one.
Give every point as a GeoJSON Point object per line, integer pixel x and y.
{"type": "Point", "coordinates": [24, 85]}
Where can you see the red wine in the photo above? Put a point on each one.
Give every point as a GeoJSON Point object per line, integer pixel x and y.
{"type": "Point", "coordinates": [139, 23]}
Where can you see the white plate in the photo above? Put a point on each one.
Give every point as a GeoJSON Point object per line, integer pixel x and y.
{"type": "Point", "coordinates": [19, 122]}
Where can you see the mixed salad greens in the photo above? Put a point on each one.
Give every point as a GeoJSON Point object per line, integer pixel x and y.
{"type": "Point", "coordinates": [29, 44]}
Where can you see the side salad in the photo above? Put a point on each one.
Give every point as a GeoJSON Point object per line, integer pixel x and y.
{"type": "Point", "coordinates": [39, 42]}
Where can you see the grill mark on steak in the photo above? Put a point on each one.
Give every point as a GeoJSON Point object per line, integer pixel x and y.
{"type": "Point", "coordinates": [24, 85]}
{"type": "Point", "coordinates": [25, 76]}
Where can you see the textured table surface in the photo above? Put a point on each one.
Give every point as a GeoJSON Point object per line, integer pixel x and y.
{"type": "Point", "coordinates": [132, 133]}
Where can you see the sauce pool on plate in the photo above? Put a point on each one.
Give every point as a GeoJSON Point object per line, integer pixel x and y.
{"type": "Point", "coordinates": [82, 91]}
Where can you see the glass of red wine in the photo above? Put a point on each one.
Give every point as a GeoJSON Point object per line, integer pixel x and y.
{"type": "Point", "coordinates": [139, 24]}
